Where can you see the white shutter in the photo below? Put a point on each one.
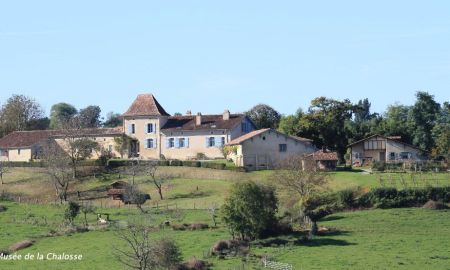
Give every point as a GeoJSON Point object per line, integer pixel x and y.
{"type": "Point", "coordinates": [186, 142]}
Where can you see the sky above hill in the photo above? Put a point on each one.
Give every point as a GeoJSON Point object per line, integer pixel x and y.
{"type": "Point", "coordinates": [210, 55]}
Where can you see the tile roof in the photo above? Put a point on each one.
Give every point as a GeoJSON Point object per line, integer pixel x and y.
{"type": "Point", "coordinates": [26, 139]}
{"type": "Point", "coordinates": [323, 155]}
{"type": "Point", "coordinates": [254, 133]}
{"type": "Point", "coordinates": [145, 105]}
{"type": "Point", "coordinates": [209, 122]}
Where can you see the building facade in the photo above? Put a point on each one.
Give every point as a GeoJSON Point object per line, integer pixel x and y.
{"type": "Point", "coordinates": [264, 148]}
{"type": "Point", "coordinates": [385, 149]}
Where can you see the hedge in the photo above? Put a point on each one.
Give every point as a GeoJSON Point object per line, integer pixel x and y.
{"type": "Point", "coordinates": [114, 163]}
{"type": "Point", "coordinates": [410, 197]}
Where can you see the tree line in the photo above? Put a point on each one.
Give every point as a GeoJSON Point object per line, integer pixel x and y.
{"type": "Point", "coordinates": [21, 113]}
{"type": "Point", "coordinates": [328, 122]}
{"type": "Point", "coordinates": [335, 123]}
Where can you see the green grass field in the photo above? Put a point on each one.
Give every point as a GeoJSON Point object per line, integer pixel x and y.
{"type": "Point", "coordinates": [374, 239]}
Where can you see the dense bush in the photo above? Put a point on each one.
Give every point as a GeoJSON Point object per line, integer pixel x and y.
{"type": "Point", "coordinates": [346, 198]}
{"type": "Point", "coordinates": [191, 163]}
{"type": "Point", "coordinates": [391, 197]}
{"type": "Point", "coordinates": [212, 165]}
{"type": "Point", "coordinates": [378, 166]}
{"type": "Point", "coordinates": [176, 162]}
{"type": "Point", "coordinates": [249, 210]}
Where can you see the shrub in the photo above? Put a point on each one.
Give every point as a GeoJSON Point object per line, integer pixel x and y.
{"type": "Point", "coordinates": [165, 253]}
{"type": "Point", "coordinates": [3, 208]}
{"type": "Point", "coordinates": [378, 166]}
{"type": "Point", "coordinates": [249, 210]}
{"type": "Point", "coordinates": [72, 211]}
{"type": "Point", "coordinates": [191, 163]}
{"type": "Point", "coordinates": [194, 264]}
{"type": "Point", "coordinates": [345, 198]}
{"type": "Point", "coordinates": [176, 162]}
{"type": "Point", "coordinates": [212, 165]}
{"type": "Point", "coordinates": [200, 156]}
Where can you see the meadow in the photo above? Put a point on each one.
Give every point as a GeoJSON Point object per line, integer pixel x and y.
{"type": "Point", "coordinates": [411, 238]}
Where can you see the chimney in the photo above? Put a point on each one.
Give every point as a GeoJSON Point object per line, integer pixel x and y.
{"type": "Point", "coordinates": [198, 119]}
{"type": "Point", "coordinates": [189, 113]}
{"type": "Point", "coordinates": [226, 115]}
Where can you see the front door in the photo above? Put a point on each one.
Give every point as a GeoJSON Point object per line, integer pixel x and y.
{"type": "Point", "coordinates": [134, 148]}
{"type": "Point", "coordinates": [382, 156]}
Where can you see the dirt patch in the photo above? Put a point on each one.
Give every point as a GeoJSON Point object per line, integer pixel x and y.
{"type": "Point", "coordinates": [21, 245]}
{"type": "Point", "coordinates": [435, 205]}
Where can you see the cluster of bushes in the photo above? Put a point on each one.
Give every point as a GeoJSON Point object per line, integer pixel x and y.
{"type": "Point", "coordinates": [191, 227]}
{"type": "Point", "coordinates": [41, 164]}
{"type": "Point", "coordinates": [390, 197]}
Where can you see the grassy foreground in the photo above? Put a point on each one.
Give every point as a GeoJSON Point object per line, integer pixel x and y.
{"type": "Point", "coordinates": [374, 239]}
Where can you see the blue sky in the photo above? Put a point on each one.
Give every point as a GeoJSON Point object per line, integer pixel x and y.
{"type": "Point", "coordinates": [210, 55]}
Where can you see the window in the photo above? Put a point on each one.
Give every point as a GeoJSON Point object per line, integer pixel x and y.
{"type": "Point", "coordinates": [405, 155]}
{"type": "Point", "coordinates": [110, 148]}
{"type": "Point", "coordinates": [375, 145]}
{"type": "Point", "coordinates": [149, 143]}
{"type": "Point", "coordinates": [133, 129]}
{"type": "Point", "coordinates": [18, 151]}
{"type": "Point", "coordinates": [245, 127]}
{"type": "Point", "coordinates": [282, 147]}
{"type": "Point", "coordinates": [149, 128]}
{"type": "Point", "coordinates": [211, 142]}
{"type": "Point", "coordinates": [171, 143]}
{"type": "Point", "coordinates": [181, 142]}
{"type": "Point", "coordinates": [391, 156]}
{"type": "Point", "coordinates": [223, 141]}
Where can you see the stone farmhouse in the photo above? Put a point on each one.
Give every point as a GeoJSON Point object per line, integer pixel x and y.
{"type": "Point", "coordinates": [155, 134]}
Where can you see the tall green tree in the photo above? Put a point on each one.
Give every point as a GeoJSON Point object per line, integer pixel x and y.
{"type": "Point", "coordinates": [264, 116]}
{"type": "Point", "coordinates": [290, 124]}
{"type": "Point", "coordinates": [17, 113]}
{"type": "Point", "coordinates": [325, 124]}
{"type": "Point", "coordinates": [113, 120]}
{"type": "Point", "coordinates": [423, 116]}
{"type": "Point", "coordinates": [441, 132]}
{"type": "Point", "coordinates": [90, 116]}
{"type": "Point", "coordinates": [60, 114]}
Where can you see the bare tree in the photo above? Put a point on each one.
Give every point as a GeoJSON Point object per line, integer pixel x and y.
{"type": "Point", "coordinates": [212, 210]}
{"type": "Point", "coordinates": [305, 182]}
{"type": "Point", "coordinates": [135, 196]}
{"type": "Point", "coordinates": [138, 254]}
{"type": "Point", "coordinates": [87, 208]}
{"type": "Point", "coordinates": [144, 254]}
{"type": "Point", "coordinates": [134, 167]}
{"type": "Point", "coordinates": [58, 168]}
{"type": "Point", "coordinates": [4, 168]}
{"type": "Point", "coordinates": [158, 179]}
{"type": "Point", "coordinates": [77, 142]}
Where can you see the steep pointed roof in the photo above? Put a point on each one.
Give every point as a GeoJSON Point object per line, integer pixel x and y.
{"type": "Point", "coordinates": [145, 105]}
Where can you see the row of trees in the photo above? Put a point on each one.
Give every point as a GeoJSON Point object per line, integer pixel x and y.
{"type": "Point", "coordinates": [334, 123]}
{"type": "Point", "coordinates": [20, 113]}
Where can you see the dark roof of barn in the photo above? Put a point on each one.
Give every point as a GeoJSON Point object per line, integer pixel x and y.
{"type": "Point", "coordinates": [209, 122]}
{"type": "Point", "coordinates": [26, 139]}
{"type": "Point", "coordinates": [145, 105]}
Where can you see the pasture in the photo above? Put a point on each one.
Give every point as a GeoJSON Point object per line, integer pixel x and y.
{"type": "Point", "coordinates": [410, 238]}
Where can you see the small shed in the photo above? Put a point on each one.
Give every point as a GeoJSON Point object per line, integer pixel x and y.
{"type": "Point", "coordinates": [117, 189]}
{"type": "Point", "coordinates": [322, 160]}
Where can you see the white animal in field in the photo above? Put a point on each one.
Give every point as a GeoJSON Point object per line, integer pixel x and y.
{"type": "Point", "coordinates": [101, 221]}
